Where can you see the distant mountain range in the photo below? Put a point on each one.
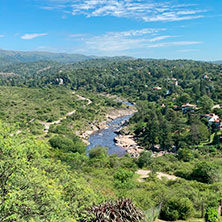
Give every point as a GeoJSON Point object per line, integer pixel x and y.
{"type": "Point", "coordinates": [12, 57]}
{"type": "Point", "coordinates": [217, 62]}
{"type": "Point", "coordinates": [8, 57]}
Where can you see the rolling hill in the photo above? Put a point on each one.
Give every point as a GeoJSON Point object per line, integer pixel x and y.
{"type": "Point", "coordinates": [13, 57]}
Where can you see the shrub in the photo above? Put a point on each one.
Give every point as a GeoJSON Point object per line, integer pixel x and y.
{"type": "Point", "coordinates": [175, 209]}
{"type": "Point", "coordinates": [206, 172]}
{"type": "Point", "coordinates": [98, 153]}
{"type": "Point", "coordinates": [98, 157]}
{"type": "Point", "coordinates": [61, 142]}
{"type": "Point", "coordinates": [211, 215]}
{"type": "Point", "coordinates": [185, 155]}
{"type": "Point", "coordinates": [123, 179]}
{"type": "Point", "coordinates": [67, 144]}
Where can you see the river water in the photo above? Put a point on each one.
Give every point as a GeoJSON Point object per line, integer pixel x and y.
{"type": "Point", "coordinates": [105, 137]}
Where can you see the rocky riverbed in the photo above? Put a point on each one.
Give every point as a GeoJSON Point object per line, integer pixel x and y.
{"type": "Point", "coordinates": [104, 133]}
{"type": "Point", "coordinates": [128, 142]}
{"type": "Point", "coordinates": [111, 115]}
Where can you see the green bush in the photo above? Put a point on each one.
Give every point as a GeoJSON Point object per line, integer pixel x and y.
{"type": "Point", "coordinates": [98, 157]}
{"type": "Point", "coordinates": [123, 179]}
{"type": "Point", "coordinates": [185, 155]}
{"type": "Point", "coordinates": [177, 208]}
{"type": "Point", "coordinates": [67, 144]}
{"type": "Point", "coordinates": [98, 153]}
{"type": "Point", "coordinates": [211, 215]}
{"type": "Point", "coordinates": [206, 172]}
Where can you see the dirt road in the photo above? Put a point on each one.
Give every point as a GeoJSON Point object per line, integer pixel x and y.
{"type": "Point", "coordinates": [145, 174]}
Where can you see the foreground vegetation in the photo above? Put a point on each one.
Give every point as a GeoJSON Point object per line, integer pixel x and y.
{"type": "Point", "coordinates": [40, 183]}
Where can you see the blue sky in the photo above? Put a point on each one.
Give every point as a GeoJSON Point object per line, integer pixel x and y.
{"type": "Point", "coordinates": [190, 29]}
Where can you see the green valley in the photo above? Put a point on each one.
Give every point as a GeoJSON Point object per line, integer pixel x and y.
{"type": "Point", "coordinates": [173, 141]}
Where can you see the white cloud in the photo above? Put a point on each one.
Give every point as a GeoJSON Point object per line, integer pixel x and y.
{"type": "Point", "coordinates": [178, 43]}
{"type": "Point", "coordinates": [132, 42]}
{"type": "Point", "coordinates": [170, 17]}
{"type": "Point", "coordinates": [161, 38]}
{"type": "Point", "coordinates": [122, 41]}
{"type": "Point", "coordinates": [112, 43]}
{"type": "Point", "coordinates": [32, 36]}
{"type": "Point", "coordinates": [77, 35]}
{"type": "Point", "coordinates": [2, 36]}
{"type": "Point", "coordinates": [146, 10]}
{"type": "Point", "coordinates": [188, 50]}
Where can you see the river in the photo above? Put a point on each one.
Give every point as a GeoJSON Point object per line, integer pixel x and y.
{"type": "Point", "coordinates": [105, 137]}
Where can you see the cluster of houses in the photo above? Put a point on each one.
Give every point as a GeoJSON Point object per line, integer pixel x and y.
{"type": "Point", "coordinates": [212, 118]}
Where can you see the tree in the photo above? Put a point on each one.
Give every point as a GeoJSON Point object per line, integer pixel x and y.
{"type": "Point", "coordinates": [184, 98]}
{"type": "Point", "coordinates": [198, 133]}
{"type": "Point", "coordinates": [145, 159]}
{"type": "Point", "coordinates": [151, 133]}
{"type": "Point", "coordinates": [165, 138]}
{"type": "Point", "coordinates": [207, 172]}
{"type": "Point", "coordinates": [206, 104]}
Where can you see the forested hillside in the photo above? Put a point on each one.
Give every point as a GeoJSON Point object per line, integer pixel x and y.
{"type": "Point", "coordinates": [135, 78]}
{"type": "Point", "coordinates": [15, 57]}
{"type": "Point", "coordinates": [48, 175]}
{"type": "Point", "coordinates": [12, 57]}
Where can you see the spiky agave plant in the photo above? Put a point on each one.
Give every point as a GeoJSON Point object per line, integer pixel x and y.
{"type": "Point", "coordinates": [122, 210]}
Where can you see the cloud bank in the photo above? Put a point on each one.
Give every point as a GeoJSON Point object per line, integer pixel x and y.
{"type": "Point", "coordinates": [121, 42]}
{"type": "Point", "coordinates": [32, 36]}
{"type": "Point", "coordinates": [146, 10]}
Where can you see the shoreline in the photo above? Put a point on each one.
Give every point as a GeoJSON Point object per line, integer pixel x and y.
{"type": "Point", "coordinates": [111, 115]}
{"type": "Point", "coordinates": [128, 142]}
